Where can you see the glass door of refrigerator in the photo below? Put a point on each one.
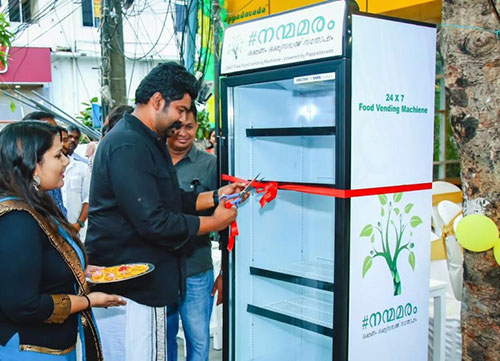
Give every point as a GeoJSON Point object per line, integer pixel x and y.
{"type": "Point", "coordinates": [283, 278]}
{"type": "Point", "coordinates": [290, 123]}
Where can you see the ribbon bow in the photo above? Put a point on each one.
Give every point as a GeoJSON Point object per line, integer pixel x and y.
{"type": "Point", "coordinates": [270, 190]}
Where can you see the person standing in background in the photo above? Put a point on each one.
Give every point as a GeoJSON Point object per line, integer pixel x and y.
{"type": "Point", "coordinates": [64, 139]}
{"type": "Point", "coordinates": [75, 194]}
{"type": "Point", "coordinates": [197, 171]}
{"type": "Point", "coordinates": [114, 116]}
{"type": "Point", "coordinates": [74, 139]}
{"type": "Point", "coordinates": [211, 141]}
{"type": "Point", "coordinates": [41, 117]}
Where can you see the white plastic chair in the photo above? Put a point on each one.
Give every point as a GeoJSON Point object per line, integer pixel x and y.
{"type": "Point", "coordinates": [449, 212]}
{"type": "Point", "coordinates": [439, 268]}
{"type": "Point", "coordinates": [450, 198]}
{"type": "Point", "coordinates": [453, 338]}
{"type": "Point", "coordinates": [443, 191]}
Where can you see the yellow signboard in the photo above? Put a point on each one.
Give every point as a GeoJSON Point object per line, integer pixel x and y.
{"type": "Point", "coordinates": [278, 6]}
{"type": "Point", "coordinates": [383, 6]}
{"type": "Point", "coordinates": [244, 10]}
{"type": "Point", "coordinates": [97, 8]}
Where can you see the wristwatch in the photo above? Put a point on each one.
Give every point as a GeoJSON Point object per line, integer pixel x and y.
{"type": "Point", "coordinates": [80, 223]}
{"type": "Point", "coordinates": [215, 195]}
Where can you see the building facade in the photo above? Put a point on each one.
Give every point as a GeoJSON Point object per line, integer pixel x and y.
{"type": "Point", "coordinates": [61, 39]}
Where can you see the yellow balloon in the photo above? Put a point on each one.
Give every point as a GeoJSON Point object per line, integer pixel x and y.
{"type": "Point", "coordinates": [496, 252]}
{"type": "Point", "coordinates": [211, 110]}
{"type": "Point", "coordinates": [477, 233]}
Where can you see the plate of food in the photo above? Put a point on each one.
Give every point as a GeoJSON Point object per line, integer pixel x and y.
{"type": "Point", "coordinates": [122, 272]}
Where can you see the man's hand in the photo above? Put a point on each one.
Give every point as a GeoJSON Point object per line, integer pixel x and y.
{"type": "Point", "coordinates": [218, 288]}
{"type": "Point", "coordinates": [231, 188]}
{"type": "Point", "coordinates": [76, 226]}
{"type": "Point", "coordinates": [224, 216]}
{"type": "Point", "coordinates": [221, 219]}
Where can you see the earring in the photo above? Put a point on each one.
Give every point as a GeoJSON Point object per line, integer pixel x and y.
{"type": "Point", "coordinates": [36, 182]}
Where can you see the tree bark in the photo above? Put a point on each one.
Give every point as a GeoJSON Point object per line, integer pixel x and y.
{"type": "Point", "coordinates": [472, 80]}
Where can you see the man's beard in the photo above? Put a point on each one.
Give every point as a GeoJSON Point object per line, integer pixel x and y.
{"type": "Point", "coordinates": [171, 130]}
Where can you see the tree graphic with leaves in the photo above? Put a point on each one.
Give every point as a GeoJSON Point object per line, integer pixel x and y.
{"type": "Point", "coordinates": [393, 235]}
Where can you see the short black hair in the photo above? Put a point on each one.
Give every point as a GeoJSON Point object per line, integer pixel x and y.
{"type": "Point", "coordinates": [172, 80]}
{"type": "Point", "coordinates": [74, 128]}
{"type": "Point", "coordinates": [38, 116]}
{"type": "Point", "coordinates": [194, 111]}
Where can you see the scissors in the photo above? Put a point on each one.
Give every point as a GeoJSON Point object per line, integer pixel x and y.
{"type": "Point", "coordinates": [236, 198]}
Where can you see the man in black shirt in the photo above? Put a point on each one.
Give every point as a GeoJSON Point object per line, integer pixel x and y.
{"type": "Point", "coordinates": [138, 213]}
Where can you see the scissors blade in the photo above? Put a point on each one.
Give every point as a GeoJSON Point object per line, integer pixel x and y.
{"type": "Point", "coordinates": [249, 186]}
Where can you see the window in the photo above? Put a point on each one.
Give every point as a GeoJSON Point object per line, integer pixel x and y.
{"type": "Point", "coordinates": [91, 12]}
{"type": "Point", "coordinates": [446, 158]}
{"type": "Point", "coordinates": [21, 10]}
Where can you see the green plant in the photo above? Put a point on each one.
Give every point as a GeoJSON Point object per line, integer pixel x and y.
{"type": "Point", "coordinates": [5, 38]}
{"type": "Point", "coordinates": [85, 115]}
{"type": "Point", "coordinates": [382, 231]}
{"type": "Point", "coordinates": [203, 125]}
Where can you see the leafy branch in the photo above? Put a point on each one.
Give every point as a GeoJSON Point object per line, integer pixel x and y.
{"type": "Point", "coordinates": [388, 210]}
{"type": "Point", "coordinates": [5, 39]}
{"type": "Point", "coordinates": [204, 125]}
{"type": "Point", "coordinates": [85, 115]}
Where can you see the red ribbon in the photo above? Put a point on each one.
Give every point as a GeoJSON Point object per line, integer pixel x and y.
{"type": "Point", "coordinates": [270, 190]}
{"type": "Point", "coordinates": [233, 230]}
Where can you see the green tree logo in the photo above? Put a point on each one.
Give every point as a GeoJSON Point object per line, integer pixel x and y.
{"type": "Point", "coordinates": [390, 232]}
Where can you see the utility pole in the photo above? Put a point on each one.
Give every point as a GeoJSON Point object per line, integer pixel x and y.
{"type": "Point", "coordinates": [192, 29]}
{"type": "Point", "coordinates": [114, 88]}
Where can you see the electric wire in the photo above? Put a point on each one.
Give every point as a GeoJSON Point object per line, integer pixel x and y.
{"type": "Point", "coordinates": [495, 10]}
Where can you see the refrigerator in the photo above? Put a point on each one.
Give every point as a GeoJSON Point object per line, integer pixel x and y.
{"type": "Point", "coordinates": [335, 107]}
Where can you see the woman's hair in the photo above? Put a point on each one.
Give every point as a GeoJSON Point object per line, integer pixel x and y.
{"type": "Point", "coordinates": [23, 145]}
{"type": "Point", "coordinates": [115, 115]}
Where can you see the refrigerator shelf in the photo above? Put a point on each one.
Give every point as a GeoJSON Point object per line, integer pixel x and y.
{"type": "Point", "coordinates": [294, 131]}
{"type": "Point", "coordinates": [303, 312]}
{"type": "Point", "coordinates": [314, 274]}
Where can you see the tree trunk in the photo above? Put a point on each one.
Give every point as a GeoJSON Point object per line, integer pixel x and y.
{"type": "Point", "coordinates": [472, 78]}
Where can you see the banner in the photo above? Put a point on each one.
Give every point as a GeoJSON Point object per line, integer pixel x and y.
{"type": "Point", "coordinates": [310, 33]}
{"type": "Point", "coordinates": [392, 122]}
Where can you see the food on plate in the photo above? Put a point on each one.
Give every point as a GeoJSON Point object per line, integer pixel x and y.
{"type": "Point", "coordinates": [118, 273]}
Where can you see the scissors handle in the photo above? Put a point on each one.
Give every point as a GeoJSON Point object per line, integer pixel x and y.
{"type": "Point", "coordinates": [229, 196]}
{"type": "Point", "coordinates": [235, 202]}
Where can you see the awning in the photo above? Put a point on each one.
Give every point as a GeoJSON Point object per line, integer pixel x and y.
{"type": "Point", "coordinates": [26, 66]}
